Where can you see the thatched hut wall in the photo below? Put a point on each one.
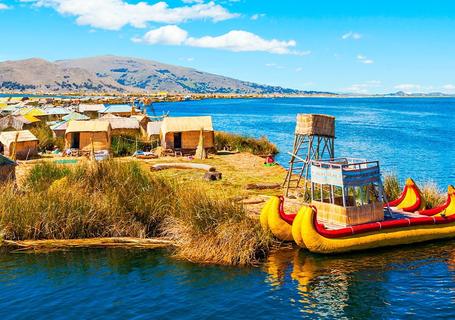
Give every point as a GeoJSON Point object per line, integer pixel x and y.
{"type": "Point", "coordinates": [101, 141]}
{"type": "Point", "coordinates": [190, 140]}
{"type": "Point", "coordinates": [24, 149]}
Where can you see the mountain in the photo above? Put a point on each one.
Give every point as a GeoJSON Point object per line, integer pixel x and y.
{"type": "Point", "coordinates": [121, 75]}
{"type": "Point", "coordinates": [33, 75]}
{"type": "Point", "coordinates": [417, 94]}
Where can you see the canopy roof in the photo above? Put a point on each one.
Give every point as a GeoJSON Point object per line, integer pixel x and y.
{"type": "Point", "coordinates": [56, 111]}
{"type": "Point", "coordinates": [182, 124]}
{"type": "Point", "coordinates": [36, 112]}
{"type": "Point", "coordinates": [4, 161]}
{"type": "Point", "coordinates": [61, 125]}
{"type": "Point", "coordinates": [75, 116]}
{"type": "Point", "coordinates": [88, 126]}
{"type": "Point", "coordinates": [117, 108]}
{"type": "Point", "coordinates": [90, 107]}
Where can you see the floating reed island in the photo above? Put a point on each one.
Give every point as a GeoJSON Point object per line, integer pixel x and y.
{"type": "Point", "coordinates": [123, 203]}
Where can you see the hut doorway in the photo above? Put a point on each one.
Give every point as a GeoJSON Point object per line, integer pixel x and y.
{"type": "Point", "coordinates": [75, 140]}
{"type": "Point", "coordinates": [177, 140]}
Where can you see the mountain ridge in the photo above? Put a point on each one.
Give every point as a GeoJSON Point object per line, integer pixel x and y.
{"type": "Point", "coordinates": [117, 74]}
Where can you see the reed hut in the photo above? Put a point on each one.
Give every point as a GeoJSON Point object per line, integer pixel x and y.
{"type": "Point", "coordinates": [184, 133]}
{"type": "Point", "coordinates": [121, 126]}
{"type": "Point", "coordinates": [154, 130]}
{"type": "Point", "coordinates": [23, 144]}
{"type": "Point", "coordinates": [16, 123]}
{"type": "Point", "coordinates": [59, 129]}
{"type": "Point", "coordinates": [90, 110]}
{"type": "Point", "coordinates": [143, 122]}
{"type": "Point", "coordinates": [81, 135]}
{"type": "Point", "coordinates": [7, 169]}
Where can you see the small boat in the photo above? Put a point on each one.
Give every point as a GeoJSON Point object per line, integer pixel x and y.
{"type": "Point", "coordinates": [316, 227]}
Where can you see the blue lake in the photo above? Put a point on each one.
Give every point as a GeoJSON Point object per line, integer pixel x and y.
{"type": "Point", "coordinates": [412, 137]}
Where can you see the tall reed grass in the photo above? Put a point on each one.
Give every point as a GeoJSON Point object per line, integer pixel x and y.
{"type": "Point", "coordinates": [235, 142]}
{"type": "Point", "coordinates": [430, 192]}
{"type": "Point", "coordinates": [117, 198]}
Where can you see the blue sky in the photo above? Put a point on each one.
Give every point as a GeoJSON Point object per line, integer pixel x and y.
{"type": "Point", "coordinates": [341, 46]}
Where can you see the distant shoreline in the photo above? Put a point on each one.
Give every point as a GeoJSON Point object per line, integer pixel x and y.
{"type": "Point", "coordinates": [191, 97]}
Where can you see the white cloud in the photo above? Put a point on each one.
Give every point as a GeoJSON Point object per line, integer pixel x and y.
{"type": "Point", "coordinates": [235, 40]}
{"type": "Point", "coordinates": [408, 87]}
{"type": "Point", "coordinates": [448, 87]}
{"type": "Point", "coordinates": [364, 59]}
{"type": "Point", "coordinates": [170, 35]}
{"type": "Point", "coordinates": [298, 69]}
{"type": "Point", "coordinates": [115, 14]}
{"type": "Point", "coordinates": [351, 35]}
{"type": "Point", "coordinates": [257, 16]}
{"type": "Point", "coordinates": [238, 40]}
{"type": "Point", "coordinates": [274, 65]}
{"type": "Point", "coordinates": [192, 1]}
{"type": "Point", "coordinates": [4, 6]}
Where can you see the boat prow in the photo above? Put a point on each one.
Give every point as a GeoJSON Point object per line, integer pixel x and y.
{"type": "Point", "coordinates": [274, 219]}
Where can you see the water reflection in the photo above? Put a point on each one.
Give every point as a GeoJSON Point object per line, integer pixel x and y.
{"type": "Point", "coordinates": [406, 281]}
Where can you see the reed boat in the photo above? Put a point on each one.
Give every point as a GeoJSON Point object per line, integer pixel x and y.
{"type": "Point", "coordinates": [328, 225]}
{"type": "Point", "coordinates": [401, 228]}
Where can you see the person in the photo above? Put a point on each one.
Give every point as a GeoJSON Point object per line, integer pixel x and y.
{"type": "Point", "coordinates": [269, 160]}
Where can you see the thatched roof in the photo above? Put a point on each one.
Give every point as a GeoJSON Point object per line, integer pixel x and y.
{"type": "Point", "coordinates": [139, 117]}
{"type": "Point", "coordinates": [88, 126]}
{"type": "Point", "coordinates": [8, 137]}
{"type": "Point", "coordinates": [182, 124]}
{"type": "Point", "coordinates": [16, 122]}
{"type": "Point", "coordinates": [122, 123]}
{"type": "Point", "coordinates": [90, 107]}
{"type": "Point", "coordinates": [154, 128]}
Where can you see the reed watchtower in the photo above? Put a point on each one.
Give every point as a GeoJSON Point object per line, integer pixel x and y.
{"type": "Point", "coordinates": [314, 139]}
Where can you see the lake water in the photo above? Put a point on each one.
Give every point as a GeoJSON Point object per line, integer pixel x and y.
{"type": "Point", "coordinates": [397, 283]}
{"type": "Point", "coordinates": [413, 137]}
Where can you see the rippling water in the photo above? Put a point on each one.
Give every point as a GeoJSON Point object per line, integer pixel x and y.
{"type": "Point", "coordinates": [411, 137]}
{"type": "Point", "coordinates": [403, 282]}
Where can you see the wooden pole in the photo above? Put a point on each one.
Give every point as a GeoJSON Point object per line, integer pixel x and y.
{"type": "Point", "coordinates": [16, 139]}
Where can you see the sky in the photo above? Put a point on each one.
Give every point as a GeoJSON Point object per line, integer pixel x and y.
{"type": "Point", "coordinates": [340, 46]}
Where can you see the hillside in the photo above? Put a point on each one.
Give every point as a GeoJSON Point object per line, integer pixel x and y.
{"type": "Point", "coordinates": [40, 75]}
{"type": "Point", "coordinates": [119, 74]}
